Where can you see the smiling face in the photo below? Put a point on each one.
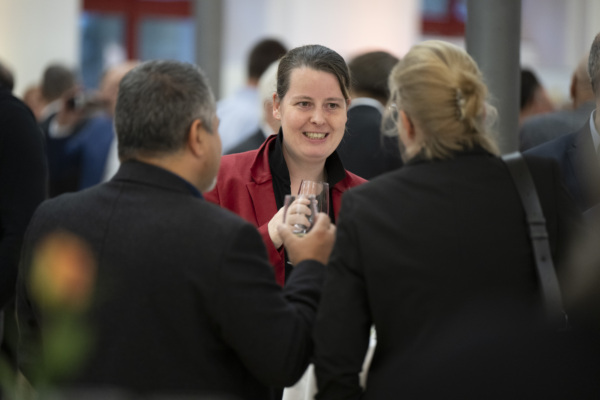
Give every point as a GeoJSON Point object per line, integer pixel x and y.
{"type": "Point", "coordinates": [313, 115]}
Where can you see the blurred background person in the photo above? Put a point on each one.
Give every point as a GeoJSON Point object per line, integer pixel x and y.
{"type": "Point", "coordinates": [577, 153]}
{"type": "Point", "coordinates": [33, 98]}
{"type": "Point", "coordinates": [542, 128]}
{"type": "Point", "coordinates": [57, 80]}
{"type": "Point", "coordinates": [534, 97]}
{"type": "Point", "coordinates": [97, 152]}
{"type": "Point", "coordinates": [365, 150]}
{"type": "Point", "coordinates": [23, 180]}
{"type": "Point", "coordinates": [60, 119]}
{"type": "Point", "coordinates": [80, 137]}
{"type": "Point", "coordinates": [240, 113]}
{"type": "Point", "coordinates": [268, 124]}
{"type": "Point", "coordinates": [311, 103]}
{"type": "Point", "coordinates": [418, 247]}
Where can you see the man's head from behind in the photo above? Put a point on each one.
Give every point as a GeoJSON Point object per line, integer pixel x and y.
{"type": "Point", "coordinates": [581, 86]}
{"type": "Point", "coordinates": [369, 75]}
{"type": "Point", "coordinates": [160, 105]}
{"type": "Point", "coordinates": [263, 54]}
{"type": "Point", "coordinates": [57, 80]}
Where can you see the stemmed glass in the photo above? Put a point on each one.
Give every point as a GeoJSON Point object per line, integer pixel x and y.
{"type": "Point", "coordinates": [300, 210]}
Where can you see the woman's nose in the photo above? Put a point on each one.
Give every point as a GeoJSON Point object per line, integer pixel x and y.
{"type": "Point", "coordinates": [317, 116]}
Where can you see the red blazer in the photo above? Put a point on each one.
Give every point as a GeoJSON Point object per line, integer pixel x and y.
{"type": "Point", "coordinates": [245, 186]}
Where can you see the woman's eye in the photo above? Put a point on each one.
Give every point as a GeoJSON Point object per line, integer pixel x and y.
{"type": "Point", "coordinates": [304, 104]}
{"type": "Point", "coordinates": [333, 106]}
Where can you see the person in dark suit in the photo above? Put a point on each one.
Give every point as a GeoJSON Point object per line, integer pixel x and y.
{"type": "Point", "coordinates": [418, 247]}
{"type": "Point", "coordinates": [366, 149]}
{"type": "Point", "coordinates": [543, 128]}
{"type": "Point", "coordinates": [23, 186]}
{"type": "Point", "coordinates": [185, 300]}
{"type": "Point", "coordinates": [23, 179]}
{"type": "Point", "coordinates": [577, 152]}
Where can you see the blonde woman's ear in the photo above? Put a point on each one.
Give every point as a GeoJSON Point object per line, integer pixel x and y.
{"type": "Point", "coordinates": [407, 126]}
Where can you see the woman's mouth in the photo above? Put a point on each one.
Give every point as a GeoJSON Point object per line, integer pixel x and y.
{"type": "Point", "coordinates": [315, 135]}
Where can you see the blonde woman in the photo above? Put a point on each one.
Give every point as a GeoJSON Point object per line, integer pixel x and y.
{"type": "Point", "coordinates": [420, 245]}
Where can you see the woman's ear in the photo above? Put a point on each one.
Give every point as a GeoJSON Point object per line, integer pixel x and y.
{"type": "Point", "coordinates": [408, 126]}
{"type": "Point", "coordinates": [276, 107]}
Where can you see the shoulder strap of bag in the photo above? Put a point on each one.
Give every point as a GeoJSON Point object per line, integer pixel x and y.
{"type": "Point", "coordinates": [538, 234]}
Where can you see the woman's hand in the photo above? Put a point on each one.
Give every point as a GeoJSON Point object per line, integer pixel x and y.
{"type": "Point", "coordinates": [273, 233]}
{"type": "Point", "coordinates": [298, 213]}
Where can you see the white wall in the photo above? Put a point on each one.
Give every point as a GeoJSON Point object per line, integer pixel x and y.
{"type": "Point", "coordinates": [34, 33]}
{"type": "Point", "coordinates": [555, 33]}
{"type": "Point", "coordinates": [346, 26]}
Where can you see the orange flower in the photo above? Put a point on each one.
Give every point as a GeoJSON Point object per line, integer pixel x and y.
{"type": "Point", "coordinates": [63, 273]}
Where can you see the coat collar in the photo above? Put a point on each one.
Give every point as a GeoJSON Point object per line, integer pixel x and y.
{"type": "Point", "coordinates": [259, 169]}
{"type": "Point", "coordinates": [474, 151]}
{"type": "Point", "coordinates": [151, 175]}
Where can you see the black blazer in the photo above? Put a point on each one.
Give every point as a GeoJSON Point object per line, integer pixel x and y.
{"type": "Point", "coordinates": [23, 184]}
{"type": "Point", "coordinates": [578, 162]}
{"type": "Point", "coordinates": [364, 150]}
{"type": "Point", "coordinates": [186, 302]}
{"type": "Point", "coordinates": [414, 248]}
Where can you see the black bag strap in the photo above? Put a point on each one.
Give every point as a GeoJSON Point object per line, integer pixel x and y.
{"type": "Point", "coordinates": [538, 234]}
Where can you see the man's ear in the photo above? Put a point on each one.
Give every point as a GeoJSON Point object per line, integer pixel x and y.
{"type": "Point", "coordinates": [276, 107]}
{"type": "Point", "coordinates": [573, 87]}
{"type": "Point", "coordinates": [196, 140]}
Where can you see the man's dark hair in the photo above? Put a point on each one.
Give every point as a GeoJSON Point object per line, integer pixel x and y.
{"type": "Point", "coordinates": [157, 103]}
{"type": "Point", "coordinates": [7, 81]}
{"type": "Point", "coordinates": [529, 84]}
{"type": "Point", "coordinates": [263, 54]}
{"type": "Point", "coordinates": [57, 79]}
{"type": "Point", "coordinates": [370, 72]}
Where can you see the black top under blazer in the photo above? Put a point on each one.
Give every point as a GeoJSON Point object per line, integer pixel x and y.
{"type": "Point", "coordinates": [416, 247]}
{"type": "Point", "coordinates": [186, 302]}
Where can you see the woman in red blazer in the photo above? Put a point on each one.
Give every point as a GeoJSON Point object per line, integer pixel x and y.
{"type": "Point", "coordinates": [311, 102]}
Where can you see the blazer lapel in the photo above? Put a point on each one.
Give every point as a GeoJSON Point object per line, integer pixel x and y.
{"type": "Point", "coordinates": [263, 201]}
{"type": "Point", "coordinates": [585, 167]}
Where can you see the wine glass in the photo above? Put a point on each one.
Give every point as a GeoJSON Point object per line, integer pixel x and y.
{"type": "Point", "coordinates": [298, 212]}
{"type": "Point", "coordinates": [317, 190]}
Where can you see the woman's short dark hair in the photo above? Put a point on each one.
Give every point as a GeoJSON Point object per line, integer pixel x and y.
{"type": "Point", "coordinates": [317, 57]}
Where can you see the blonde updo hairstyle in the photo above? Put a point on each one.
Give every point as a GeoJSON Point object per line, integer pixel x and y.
{"type": "Point", "coordinates": [441, 90]}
